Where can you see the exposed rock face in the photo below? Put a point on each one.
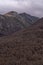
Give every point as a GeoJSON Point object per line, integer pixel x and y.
{"type": "Point", "coordinates": [30, 19]}
{"type": "Point", "coordinates": [12, 22]}
{"type": "Point", "coordinates": [9, 24]}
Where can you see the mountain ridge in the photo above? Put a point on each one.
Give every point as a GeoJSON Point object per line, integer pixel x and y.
{"type": "Point", "coordinates": [12, 22]}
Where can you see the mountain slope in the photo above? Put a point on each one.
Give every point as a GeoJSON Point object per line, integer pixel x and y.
{"type": "Point", "coordinates": [9, 24]}
{"type": "Point", "coordinates": [38, 24]}
{"type": "Point", "coordinates": [30, 19]}
{"type": "Point", "coordinates": [23, 48]}
{"type": "Point", "coordinates": [12, 22]}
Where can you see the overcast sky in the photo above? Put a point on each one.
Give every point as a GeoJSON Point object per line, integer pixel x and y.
{"type": "Point", "coordinates": [33, 7]}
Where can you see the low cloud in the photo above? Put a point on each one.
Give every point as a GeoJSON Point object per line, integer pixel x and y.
{"type": "Point", "coordinates": [33, 7]}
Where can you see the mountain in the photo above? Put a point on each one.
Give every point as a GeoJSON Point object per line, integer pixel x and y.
{"type": "Point", "coordinates": [24, 47]}
{"type": "Point", "coordinates": [9, 24]}
{"type": "Point", "coordinates": [38, 24]}
{"type": "Point", "coordinates": [30, 19]}
{"type": "Point", "coordinates": [12, 22]}
{"type": "Point", "coordinates": [11, 13]}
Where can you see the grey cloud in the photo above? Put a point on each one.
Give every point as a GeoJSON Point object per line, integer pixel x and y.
{"type": "Point", "coordinates": [33, 7]}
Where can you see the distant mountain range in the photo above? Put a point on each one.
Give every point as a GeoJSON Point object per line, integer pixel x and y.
{"type": "Point", "coordinates": [24, 47]}
{"type": "Point", "coordinates": [12, 22]}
